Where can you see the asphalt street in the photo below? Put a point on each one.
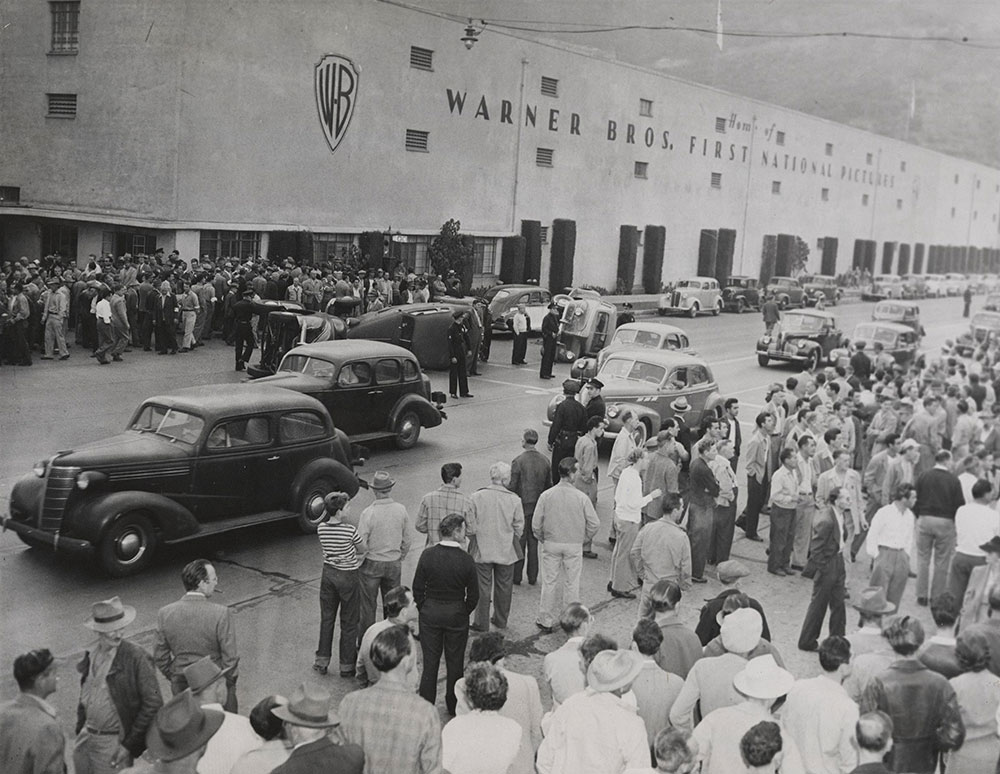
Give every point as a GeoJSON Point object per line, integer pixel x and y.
{"type": "Point", "coordinates": [270, 576]}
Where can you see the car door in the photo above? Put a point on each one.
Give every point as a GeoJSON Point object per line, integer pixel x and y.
{"type": "Point", "coordinates": [537, 307]}
{"type": "Point", "coordinates": [602, 328]}
{"type": "Point", "coordinates": [302, 436]}
{"type": "Point", "coordinates": [385, 391]}
{"type": "Point", "coordinates": [351, 402]}
{"type": "Point", "coordinates": [696, 392]}
{"type": "Point", "coordinates": [240, 469]}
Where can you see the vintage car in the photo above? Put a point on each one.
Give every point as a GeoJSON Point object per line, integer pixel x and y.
{"type": "Point", "coordinates": [691, 296]}
{"type": "Point", "coordinates": [633, 336]}
{"type": "Point", "coordinates": [504, 303]}
{"type": "Point", "coordinates": [287, 328]}
{"type": "Point", "coordinates": [648, 381]}
{"type": "Point", "coordinates": [900, 341]}
{"type": "Point", "coordinates": [741, 294]}
{"type": "Point", "coordinates": [819, 286]}
{"type": "Point", "coordinates": [936, 286]}
{"type": "Point", "coordinates": [984, 327]}
{"type": "Point", "coordinates": [371, 389]}
{"type": "Point", "coordinates": [191, 463]}
{"type": "Point", "coordinates": [914, 286]}
{"type": "Point", "coordinates": [992, 303]}
{"type": "Point", "coordinates": [422, 329]}
{"type": "Point", "coordinates": [955, 284]}
{"type": "Point", "coordinates": [806, 336]}
{"type": "Point", "coordinates": [788, 292]}
{"type": "Point", "coordinates": [586, 322]}
{"type": "Point", "coordinates": [903, 312]}
{"type": "Point", "coordinates": [883, 286]}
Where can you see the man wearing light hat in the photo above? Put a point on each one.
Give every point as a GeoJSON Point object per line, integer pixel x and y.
{"type": "Point", "coordinates": [178, 736]}
{"type": "Point", "coordinates": [759, 684]}
{"type": "Point", "coordinates": [119, 694]}
{"type": "Point", "coordinates": [596, 731]}
{"type": "Point", "coordinates": [236, 736]}
{"type": "Point", "coordinates": [308, 720]}
{"type": "Point", "coordinates": [385, 528]}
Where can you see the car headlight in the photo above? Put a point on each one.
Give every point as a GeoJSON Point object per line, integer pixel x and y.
{"type": "Point", "coordinates": [612, 412]}
{"type": "Point", "coordinates": [801, 344]}
{"type": "Point", "coordinates": [88, 477]}
{"type": "Point", "coordinates": [39, 468]}
{"type": "Point", "coordinates": [765, 340]}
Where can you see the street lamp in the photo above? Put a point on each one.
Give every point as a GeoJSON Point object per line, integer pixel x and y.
{"type": "Point", "coordinates": [471, 35]}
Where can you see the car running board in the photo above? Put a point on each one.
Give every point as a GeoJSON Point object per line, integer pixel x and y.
{"type": "Point", "coordinates": [238, 522]}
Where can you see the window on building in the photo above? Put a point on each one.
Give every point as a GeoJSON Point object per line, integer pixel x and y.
{"type": "Point", "coordinates": [543, 157]}
{"type": "Point", "coordinates": [868, 159]}
{"type": "Point", "coordinates": [829, 149]}
{"type": "Point", "coordinates": [10, 194]}
{"type": "Point", "coordinates": [229, 244]}
{"type": "Point", "coordinates": [416, 140]}
{"type": "Point", "coordinates": [484, 259]}
{"type": "Point", "coordinates": [328, 247]}
{"type": "Point", "coordinates": [550, 87]}
{"type": "Point", "coordinates": [720, 124]}
{"type": "Point", "coordinates": [413, 252]}
{"type": "Point", "coordinates": [646, 107]}
{"type": "Point", "coordinates": [421, 58]}
{"type": "Point", "coordinates": [716, 180]}
{"type": "Point", "coordinates": [899, 204]}
{"type": "Point", "coordinates": [902, 166]}
{"type": "Point", "coordinates": [776, 186]}
{"type": "Point", "coordinates": [779, 138]}
{"type": "Point", "coordinates": [61, 105]}
{"type": "Point", "coordinates": [57, 238]}
{"type": "Point", "coordinates": [824, 194]}
{"type": "Point", "coordinates": [642, 169]}
{"type": "Point", "coordinates": [65, 28]}
{"type": "Point", "coordinates": [864, 200]}
{"type": "Point", "coordinates": [545, 234]}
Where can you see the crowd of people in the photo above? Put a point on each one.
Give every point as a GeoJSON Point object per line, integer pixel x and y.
{"type": "Point", "coordinates": [112, 305]}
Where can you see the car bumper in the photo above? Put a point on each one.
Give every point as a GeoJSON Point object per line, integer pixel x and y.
{"type": "Point", "coordinates": [52, 539]}
{"type": "Point", "coordinates": [673, 309]}
{"type": "Point", "coordinates": [802, 356]}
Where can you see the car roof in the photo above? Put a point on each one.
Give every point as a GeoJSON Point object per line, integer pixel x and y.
{"type": "Point", "coordinates": [811, 313]}
{"type": "Point", "coordinates": [887, 325]}
{"type": "Point", "coordinates": [351, 349]}
{"type": "Point", "coordinates": [664, 357]}
{"type": "Point", "coordinates": [655, 327]}
{"type": "Point", "coordinates": [520, 287]}
{"type": "Point", "coordinates": [740, 277]}
{"type": "Point", "coordinates": [695, 279]}
{"type": "Point", "coordinates": [230, 399]}
{"type": "Point", "coordinates": [781, 277]}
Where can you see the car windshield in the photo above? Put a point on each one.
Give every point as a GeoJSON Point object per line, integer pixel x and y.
{"type": "Point", "coordinates": [310, 366]}
{"type": "Point", "coordinates": [739, 283]}
{"type": "Point", "coordinates": [893, 312]}
{"type": "Point", "coordinates": [802, 323]}
{"type": "Point", "coordinates": [873, 333]}
{"type": "Point", "coordinates": [632, 370]}
{"type": "Point", "coordinates": [688, 284]}
{"type": "Point", "coordinates": [637, 338]}
{"type": "Point", "coordinates": [988, 321]}
{"type": "Point", "coordinates": [170, 423]}
{"type": "Point", "coordinates": [500, 295]}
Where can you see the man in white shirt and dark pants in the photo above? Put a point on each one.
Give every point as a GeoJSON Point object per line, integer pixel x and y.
{"type": "Point", "coordinates": [889, 538]}
{"type": "Point", "coordinates": [976, 523]}
{"type": "Point", "coordinates": [520, 322]}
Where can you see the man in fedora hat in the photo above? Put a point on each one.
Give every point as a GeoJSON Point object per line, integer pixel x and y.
{"type": "Point", "coordinates": [308, 720]}
{"type": "Point", "coordinates": [385, 528]}
{"type": "Point", "coordinates": [236, 736]}
{"type": "Point", "coordinates": [759, 684]}
{"type": "Point", "coordinates": [119, 694]}
{"type": "Point", "coordinates": [193, 627]}
{"type": "Point", "coordinates": [870, 651]}
{"type": "Point", "coordinates": [596, 731]}
{"type": "Point", "coordinates": [975, 603]}
{"type": "Point", "coordinates": [31, 736]}
{"type": "Point", "coordinates": [178, 736]}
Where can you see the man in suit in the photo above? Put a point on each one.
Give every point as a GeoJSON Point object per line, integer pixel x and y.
{"type": "Point", "coordinates": [458, 371]}
{"type": "Point", "coordinates": [165, 320]}
{"type": "Point", "coordinates": [976, 604]}
{"type": "Point", "coordinates": [842, 477]}
{"type": "Point", "coordinates": [529, 477]}
{"type": "Point", "coordinates": [31, 736]}
{"type": "Point", "coordinates": [701, 510]}
{"type": "Point", "coordinates": [758, 473]}
{"type": "Point", "coordinates": [831, 532]}
{"type": "Point", "coordinates": [901, 469]}
{"type": "Point", "coordinates": [193, 627]}
{"type": "Point", "coordinates": [308, 720]}
{"type": "Point", "coordinates": [731, 428]}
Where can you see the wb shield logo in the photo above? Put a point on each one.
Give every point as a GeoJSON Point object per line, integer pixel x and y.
{"type": "Point", "coordinates": [336, 93]}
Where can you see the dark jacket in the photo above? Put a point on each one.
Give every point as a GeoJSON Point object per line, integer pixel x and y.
{"type": "Point", "coordinates": [324, 757]}
{"type": "Point", "coordinates": [939, 493]}
{"type": "Point", "coordinates": [446, 586]}
{"type": "Point", "coordinates": [924, 711]}
{"type": "Point", "coordinates": [825, 544]}
{"type": "Point", "coordinates": [708, 624]}
{"type": "Point", "coordinates": [550, 327]}
{"type": "Point", "coordinates": [165, 309]}
{"type": "Point", "coordinates": [530, 475]}
{"type": "Point", "coordinates": [134, 691]}
{"type": "Point", "coordinates": [704, 486]}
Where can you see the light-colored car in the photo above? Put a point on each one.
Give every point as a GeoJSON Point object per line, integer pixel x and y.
{"type": "Point", "coordinates": [983, 327]}
{"type": "Point", "coordinates": [692, 296]}
{"type": "Point", "coordinates": [640, 335]}
{"type": "Point", "coordinates": [884, 286]}
{"type": "Point", "coordinates": [647, 382]}
{"type": "Point", "coordinates": [787, 291]}
{"type": "Point", "coordinates": [955, 283]}
{"type": "Point", "coordinates": [503, 306]}
{"type": "Point", "coordinates": [914, 286]}
{"type": "Point", "coordinates": [935, 284]}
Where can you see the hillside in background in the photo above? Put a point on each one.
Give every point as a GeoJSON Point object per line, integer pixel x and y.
{"type": "Point", "coordinates": [864, 82]}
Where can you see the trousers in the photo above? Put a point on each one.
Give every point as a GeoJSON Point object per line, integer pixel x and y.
{"type": "Point", "coordinates": [935, 535]}
{"type": "Point", "coordinates": [375, 576]}
{"type": "Point", "coordinates": [338, 591]}
{"type": "Point", "coordinates": [187, 318]}
{"type": "Point", "coordinates": [780, 542]}
{"type": "Point", "coordinates": [529, 545]}
{"type": "Point", "coordinates": [722, 533]}
{"type": "Point", "coordinates": [55, 336]}
{"type": "Point", "coordinates": [756, 492]}
{"type": "Point", "coordinates": [701, 528]}
{"type": "Point", "coordinates": [961, 569]}
{"type": "Point", "coordinates": [458, 377]}
{"type": "Point", "coordinates": [435, 640]}
{"type": "Point", "coordinates": [802, 526]}
{"type": "Point", "coordinates": [561, 564]}
{"type": "Point", "coordinates": [244, 343]}
{"type": "Point", "coordinates": [520, 349]}
{"type": "Point", "coordinates": [106, 341]}
{"type": "Point", "coordinates": [891, 571]}
{"type": "Point", "coordinates": [623, 577]}
{"type": "Point", "coordinates": [501, 578]}
{"type": "Point", "coordinates": [829, 587]}
{"type": "Point", "coordinates": [92, 753]}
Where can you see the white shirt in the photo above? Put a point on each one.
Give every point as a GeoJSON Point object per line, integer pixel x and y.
{"type": "Point", "coordinates": [563, 671]}
{"type": "Point", "coordinates": [719, 734]}
{"type": "Point", "coordinates": [103, 310]}
{"type": "Point", "coordinates": [890, 528]}
{"type": "Point", "coordinates": [967, 480]}
{"type": "Point", "coordinates": [975, 524]}
{"type": "Point", "coordinates": [820, 716]}
{"type": "Point", "coordinates": [231, 742]}
{"type": "Point", "coordinates": [629, 499]}
{"type": "Point", "coordinates": [479, 743]}
{"type": "Point", "coordinates": [593, 733]}
{"type": "Point", "coordinates": [520, 323]}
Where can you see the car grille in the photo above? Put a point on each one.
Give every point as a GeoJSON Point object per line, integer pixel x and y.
{"type": "Point", "coordinates": [675, 299]}
{"type": "Point", "coordinates": [59, 483]}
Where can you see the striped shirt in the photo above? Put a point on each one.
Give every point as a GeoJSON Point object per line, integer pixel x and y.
{"type": "Point", "coordinates": [341, 545]}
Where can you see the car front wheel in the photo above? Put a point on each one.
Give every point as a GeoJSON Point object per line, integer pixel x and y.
{"type": "Point", "coordinates": [407, 430]}
{"type": "Point", "coordinates": [763, 360]}
{"type": "Point", "coordinates": [718, 309]}
{"type": "Point", "coordinates": [128, 545]}
{"type": "Point", "coordinates": [693, 310]}
{"type": "Point", "coordinates": [814, 360]}
{"type": "Point", "coordinates": [741, 306]}
{"type": "Point", "coordinates": [311, 506]}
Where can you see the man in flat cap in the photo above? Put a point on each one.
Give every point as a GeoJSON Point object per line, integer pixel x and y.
{"type": "Point", "coordinates": [31, 736]}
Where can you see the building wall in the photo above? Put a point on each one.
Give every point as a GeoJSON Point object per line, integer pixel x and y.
{"type": "Point", "coordinates": [203, 115]}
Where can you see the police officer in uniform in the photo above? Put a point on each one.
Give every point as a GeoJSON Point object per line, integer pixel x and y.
{"type": "Point", "coordinates": [243, 328]}
{"type": "Point", "coordinates": [550, 332]}
{"type": "Point", "coordinates": [569, 423]}
{"type": "Point", "coordinates": [458, 372]}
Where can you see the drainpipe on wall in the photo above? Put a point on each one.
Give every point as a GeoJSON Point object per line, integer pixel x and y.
{"type": "Point", "coordinates": [746, 196]}
{"type": "Point", "coordinates": [517, 151]}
